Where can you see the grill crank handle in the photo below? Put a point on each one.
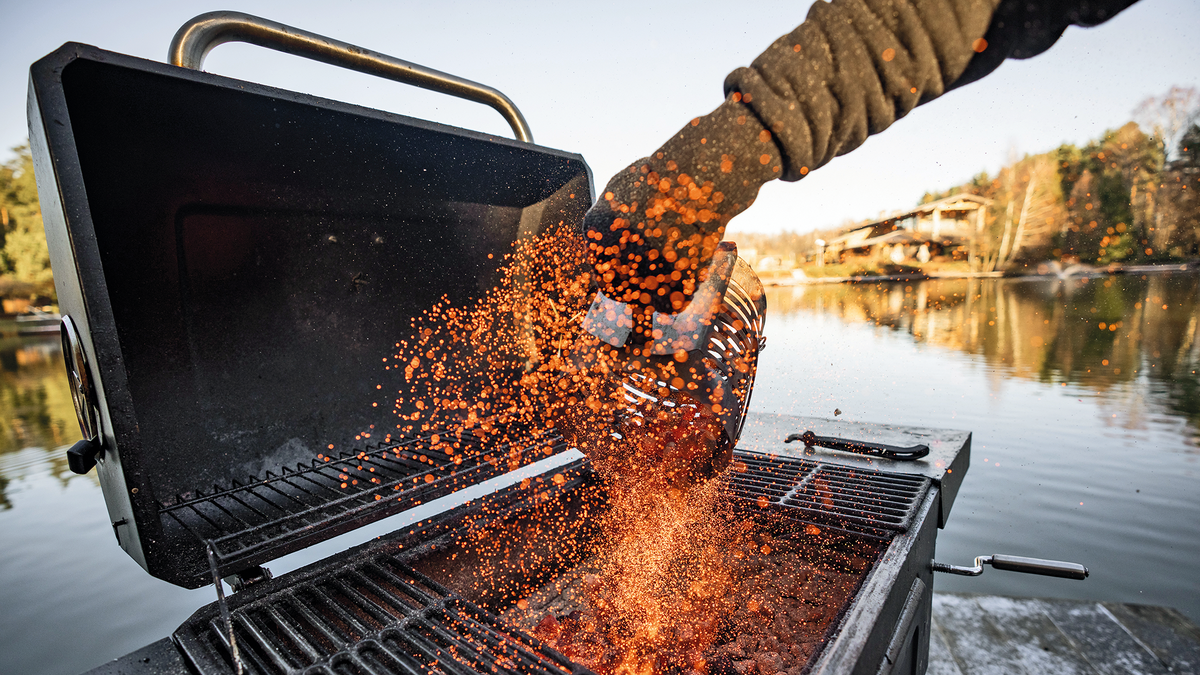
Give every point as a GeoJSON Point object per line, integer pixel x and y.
{"type": "Point", "coordinates": [1015, 563]}
{"type": "Point", "coordinates": [861, 447]}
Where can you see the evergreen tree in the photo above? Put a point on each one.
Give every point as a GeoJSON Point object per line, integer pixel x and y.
{"type": "Point", "coordinates": [24, 258]}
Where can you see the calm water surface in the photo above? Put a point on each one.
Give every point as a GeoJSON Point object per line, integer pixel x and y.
{"type": "Point", "coordinates": [1085, 447]}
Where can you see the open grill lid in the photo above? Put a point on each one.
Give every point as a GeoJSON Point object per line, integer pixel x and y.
{"type": "Point", "coordinates": [238, 260]}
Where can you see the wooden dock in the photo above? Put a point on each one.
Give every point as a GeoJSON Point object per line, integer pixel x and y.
{"type": "Point", "coordinates": [987, 634]}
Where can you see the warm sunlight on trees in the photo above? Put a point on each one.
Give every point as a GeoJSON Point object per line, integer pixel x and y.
{"type": "Point", "coordinates": [24, 258]}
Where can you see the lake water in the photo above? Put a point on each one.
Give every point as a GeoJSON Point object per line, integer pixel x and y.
{"type": "Point", "coordinates": [1085, 447]}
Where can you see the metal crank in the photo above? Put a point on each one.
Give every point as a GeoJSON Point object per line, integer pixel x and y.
{"type": "Point", "coordinates": [1013, 563]}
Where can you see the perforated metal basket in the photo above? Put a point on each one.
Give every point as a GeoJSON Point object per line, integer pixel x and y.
{"type": "Point", "coordinates": [699, 363]}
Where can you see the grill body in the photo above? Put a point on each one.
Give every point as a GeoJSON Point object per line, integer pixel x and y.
{"type": "Point", "coordinates": [427, 598]}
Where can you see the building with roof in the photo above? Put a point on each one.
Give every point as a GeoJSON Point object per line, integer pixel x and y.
{"type": "Point", "coordinates": [944, 228]}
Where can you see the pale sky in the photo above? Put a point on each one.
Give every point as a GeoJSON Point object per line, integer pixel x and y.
{"type": "Point", "coordinates": [611, 81]}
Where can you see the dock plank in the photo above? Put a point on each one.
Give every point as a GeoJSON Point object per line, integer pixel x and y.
{"type": "Point", "coordinates": [941, 661]}
{"type": "Point", "coordinates": [1102, 640]}
{"type": "Point", "coordinates": [1040, 645]}
{"type": "Point", "coordinates": [978, 647]}
{"type": "Point", "coordinates": [1174, 639]}
{"type": "Point", "coordinates": [990, 635]}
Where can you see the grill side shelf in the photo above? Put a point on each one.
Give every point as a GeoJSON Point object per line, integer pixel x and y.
{"type": "Point", "coordinates": [871, 502]}
{"type": "Point", "coordinates": [282, 512]}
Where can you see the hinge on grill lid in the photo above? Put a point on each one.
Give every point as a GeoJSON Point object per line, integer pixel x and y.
{"type": "Point", "coordinates": [247, 577]}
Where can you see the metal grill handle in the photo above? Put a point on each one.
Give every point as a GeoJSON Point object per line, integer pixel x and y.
{"type": "Point", "coordinates": [1015, 563]}
{"type": "Point", "coordinates": [196, 38]}
{"type": "Point", "coordinates": [901, 454]}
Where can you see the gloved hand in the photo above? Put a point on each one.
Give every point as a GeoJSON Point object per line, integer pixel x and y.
{"type": "Point", "coordinates": [658, 223]}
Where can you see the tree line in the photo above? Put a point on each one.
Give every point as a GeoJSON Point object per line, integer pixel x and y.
{"type": "Point", "coordinates": [24, 259]}
{"type": "Point", "coordinates": [1128, 196]}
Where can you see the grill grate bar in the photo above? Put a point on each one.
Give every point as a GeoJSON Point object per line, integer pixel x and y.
{"type": "Point", "coordinates": [362, 665]}
{"type": "Point", "coordinates": [207, 519]}
{"type": "Point", "coordinates": [275, 655]}
{"type": "Point", "coordinates": [399, 662]}
{"type": "Point", "coordinates": [372, 616]}
{"type": "Point", "coordinates": [819, 489]}
{"type": "Point", "coordinates": [285, 495]}
{"type": "Point", "coordinates": [525, 648]}
{"type": "Point", "coordinates": [883, 492]}
{"type": "Point", "coordinates": [355, 582]}
{"type": "Point", "coordinates": [397, 607]}
{"type": "Point", "coordinates": [882, 481]}
{"type": "Point", "coordinates": [293, 633]}
{"type": "Point", "coordinates": [314, 620]}
{"type": "Point", "coordinates": [829, 494]}
{"type": "Point", "coordinates": [354, 629]}
{"type": "Point", "coordinates": [245, 504]}
{"type": "Point", "coordinates": [246, 650]}
{"type": "Point", "coordinates": [780, 486]}
{"type": "Point", "coordinates": [250, 520]}
{"type": "Point", "coordinates": [309, 477]}
{"type": "Point", "coordinates": [828, 500]}
{"type": "Point", "coordinates": [395, 570]}
{"type": "Point", "coordinates": [477, 646]}
{"type": "Point", "coordinates": [820, 486]}
{"type": "Point", "coordinates": [447, 643]}
{"type": "Point", "coordinates": [423, 650]}
{"type": "Point", "coordinates": [190, 527]}
{"type": "Point", "coordinates": [376, 616]}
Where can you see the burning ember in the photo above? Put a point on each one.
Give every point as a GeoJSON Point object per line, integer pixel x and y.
{"type": "Point", "coordinates": [679, 582]}
{"type": "Point", "coordinates": [716, 595]}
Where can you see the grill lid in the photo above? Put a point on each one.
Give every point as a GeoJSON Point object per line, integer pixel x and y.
{"type": "Point", "coordinates": [239, 260]}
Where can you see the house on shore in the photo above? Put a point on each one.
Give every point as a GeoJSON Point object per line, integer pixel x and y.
{"type": "Point", "coordinates": [945, 229]}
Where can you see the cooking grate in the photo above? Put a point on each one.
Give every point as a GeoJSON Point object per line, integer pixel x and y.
{"type": "Point", "coordinates": [377, 616]}
{"type": "Point", "coordinates": [828, 494]}
{"type": "Point", "coordinates": [248, 523]}
{"type": "Point", "coordinates": [374, 614]}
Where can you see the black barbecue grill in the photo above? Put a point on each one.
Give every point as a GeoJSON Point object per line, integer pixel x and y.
{"type": "Point", "coordinates": [234, 260]}
{"type": "Point", "coordinates": [400, 605]}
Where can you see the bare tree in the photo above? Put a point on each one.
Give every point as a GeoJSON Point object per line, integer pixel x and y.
{"type": "Point", "coordinates": [1033, 184]}
{"type": "Point", "coordinates": [1169, 115]}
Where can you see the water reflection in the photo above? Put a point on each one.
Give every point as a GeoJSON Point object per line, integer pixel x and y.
{"type": "Point", "coordinates": [1092, 333]}
{"type": "Point", "coordinates": [35, 408]}
{"type": "Point", "coordinates": [1072, 458]}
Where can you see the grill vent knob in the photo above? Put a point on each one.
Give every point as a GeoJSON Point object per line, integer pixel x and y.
{"type": "Point", "coordinates": [81, 457]}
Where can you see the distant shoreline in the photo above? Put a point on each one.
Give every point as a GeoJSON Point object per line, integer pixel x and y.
{"type": "Point", "coordinates": [1073, 272]}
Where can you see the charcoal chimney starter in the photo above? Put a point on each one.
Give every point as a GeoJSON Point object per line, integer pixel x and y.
{"type": "Point", "coordinates": [694, 367]}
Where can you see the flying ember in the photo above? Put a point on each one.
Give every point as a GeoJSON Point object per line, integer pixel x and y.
{"type": "Point", "coordinates": [676, 580]}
